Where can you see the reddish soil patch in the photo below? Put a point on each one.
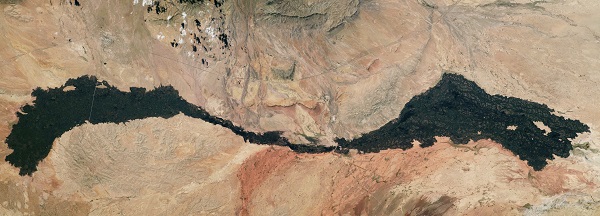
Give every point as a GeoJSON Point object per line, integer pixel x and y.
{"type": "Point", "coordinates": [255, 170]}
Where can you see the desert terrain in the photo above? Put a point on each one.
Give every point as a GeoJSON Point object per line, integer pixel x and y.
{"type": "Point", "coordinates": [315, 70]}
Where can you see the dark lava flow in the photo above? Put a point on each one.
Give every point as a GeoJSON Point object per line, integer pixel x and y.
{"type": "Point", "coordinates": [56, 111]}
{"type": "Point", "coordinates": [459, 109]}
{"type": "Point", "coordinates": [455, 107]}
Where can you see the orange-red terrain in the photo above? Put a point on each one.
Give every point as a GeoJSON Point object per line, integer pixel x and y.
{"type": "Point", "coordinates": [472, 179]}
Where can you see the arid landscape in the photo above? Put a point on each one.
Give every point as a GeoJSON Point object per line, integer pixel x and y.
{"type": "Point", "coordinates": [316, 70]}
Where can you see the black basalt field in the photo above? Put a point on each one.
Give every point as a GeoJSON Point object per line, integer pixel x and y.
{"type": "Point", "coordinates": [459, 109]}
{"type": "Point", "coordinates": [56, 111]}
{"type": "Point", "coordinates": [455, 108]}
